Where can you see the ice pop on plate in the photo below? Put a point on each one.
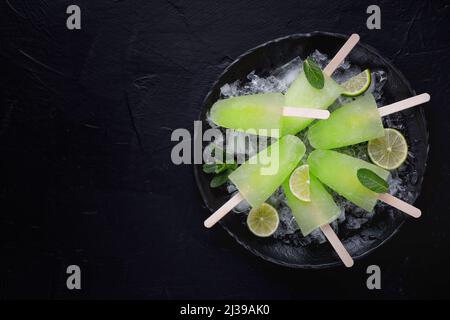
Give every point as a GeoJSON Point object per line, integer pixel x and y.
{"type": "Point", "coordinates": [317, 213]}
{"type": "Point", "coordinates": [258, 113]}
{"type": "Point", "coordinates": [352, 123]}
{"type": "Point", "coordinates": [356, 122]}
{"type": "Point", "coordinates": [339, 172]}
{"type": "Point", "coordinates": [302, 94]}
{"type": "Point", "coordinates": [310, 215]}
{"type": "Point", "coordinates": [255, 179]}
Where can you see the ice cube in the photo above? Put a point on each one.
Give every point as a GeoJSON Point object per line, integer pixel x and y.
{"type": "Point", "coordinates": [242, 206]}
{"type": "Point", "coordinates": [320, 58]}
{"type": "Point", "coordinates": [287, 73]}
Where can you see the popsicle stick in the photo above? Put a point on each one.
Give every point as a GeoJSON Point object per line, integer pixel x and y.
{"type": "Point", "coordinates": [306, 113]}
{"type": "Point", "coordinates": [223, 210]}
{"type": "Point", "coordinates": [400, 205]}
{"type": "Point", "coordinates": [341, 54]}
{"type": "Point", "coordinates": [337, 245]}
{"type": "Point", "coordinates": [404, 104]}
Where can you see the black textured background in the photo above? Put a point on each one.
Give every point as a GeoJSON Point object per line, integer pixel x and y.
{"type": "Point", "coordinates": [85, 171]}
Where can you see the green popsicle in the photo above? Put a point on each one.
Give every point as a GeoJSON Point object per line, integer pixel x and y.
{"type": "Point", "coordinates": [352, 123]}
{"type": "Point", "coordinates": [338, 171]}
{"type": "Point", "coordinates": [313, 214]}
{"type": "Point", "coordinates": [251, 112]}
{"type": "Point", "coordinates": [254, 180]}
{"type": "Point", "coordinates": [302, 94]}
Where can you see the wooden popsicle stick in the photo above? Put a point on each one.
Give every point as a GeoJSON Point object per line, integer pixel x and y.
{"type": "Point", "coordinates": [341, 54]}
{"type": "Point", "coordinates": [223, 210]}
{"type": "Point", "coordinates": [306, 113]}
{"type": "Point", "coordinates": [404, 104]}
{"type": "Point", "coordinates": [400, 205]}
{"type": "Point", "coordinates": [337, 245]}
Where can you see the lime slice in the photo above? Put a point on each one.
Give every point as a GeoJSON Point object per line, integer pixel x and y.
{"type": "Point", "coordinates": [390, 151]}
{"type": "Point", "coordinates": [357, 85]}
{"type": "Point", "coordinates": [299, 183]}
{"type": "Point", "coordinates": [263, 221]}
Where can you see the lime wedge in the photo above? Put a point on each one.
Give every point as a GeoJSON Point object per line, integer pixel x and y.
{"type": "Point", "coordinates": [299, 183]}
{"type": "Point", "coordinates": [390, 151]}
{"type": "Point", "coordinates": [357, 85]}
{"type": "Point", "coordinates": [263, 221]}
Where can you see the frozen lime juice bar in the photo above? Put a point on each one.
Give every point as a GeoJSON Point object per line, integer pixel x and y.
{"type": "Point", "coordinates": [251, 112]}
{"type": "Point", "coordinates": [313, 214]}
{"type": "Point", "coordinates": [353, 123]}
{"type": "Point", "coordinates": [339, 172]}
{"type": "Point", "coordinates": [302, 94]}
{"type": "Point", "coordinates": [256, 181]}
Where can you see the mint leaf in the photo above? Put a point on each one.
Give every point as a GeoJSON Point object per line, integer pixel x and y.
{"type": "Point", "coordinates": [313, 74]}
{"type": "Point", "coordinates": [372, 181]}
{"type": "Point", "coordinates": [220, 167]}
{"type": "Point", "coordinates": [220, 179]}
{"type": "Point", "coordinates": [209, 167]}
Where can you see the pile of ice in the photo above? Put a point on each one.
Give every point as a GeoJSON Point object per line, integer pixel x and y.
{"type": "Point", "coordinates": [279, 80]}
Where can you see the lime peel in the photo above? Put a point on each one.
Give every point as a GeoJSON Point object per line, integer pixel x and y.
{"type": "Point", "coordinates": [299, 183]}
{"type": "Point", "coordinates": [358, 84]}
{"type": "Point", "coordinates": [390, 151]}
{"type": "Point", "coordinates": [263, 221]}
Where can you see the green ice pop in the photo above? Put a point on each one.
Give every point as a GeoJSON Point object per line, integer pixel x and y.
{"type": "Point", "coordinates": [315, 213]}
{"type": "Point", "coordinates": [251, 112]}
{"type": "Point", "coordinates": [338, 171]}
{"type": "Point", "coordinates": [255, 186]}
{"type": "Point", "coordinates": [352, 123]}
{"type": "Point", "coordinates": [302, 94]}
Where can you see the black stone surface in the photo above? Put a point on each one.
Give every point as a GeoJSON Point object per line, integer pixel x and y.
{"type": "Point", "coordinates": [85, 124]}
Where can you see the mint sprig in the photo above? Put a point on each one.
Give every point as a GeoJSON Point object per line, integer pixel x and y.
{"type": "Point", "coordinates": [222, 171]}
{"type": "Point", "coordinates": [313, 74]}
{"type": "Point", "coordinates": [372, 181]}
{"type": "Point", "coordinates": [220, 179]}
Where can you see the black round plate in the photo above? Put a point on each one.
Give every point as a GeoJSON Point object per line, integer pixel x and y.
{"type": "Point", "coordinates": [386, 223]}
